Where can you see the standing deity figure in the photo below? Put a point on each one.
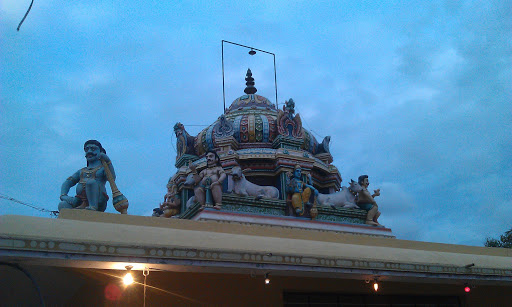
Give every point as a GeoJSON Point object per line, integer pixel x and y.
{"type": "Point", "coordinates": [302, 194]}
{"type": "Point", "coordinates": [210, 178]}
{"type": "Point", "coordinates": [90, 191]}
{"type": "Point", "coordinates": [366, 201]}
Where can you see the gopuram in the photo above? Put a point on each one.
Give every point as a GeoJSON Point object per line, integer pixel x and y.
{"type": "Point", "coordinates": [257, 164]}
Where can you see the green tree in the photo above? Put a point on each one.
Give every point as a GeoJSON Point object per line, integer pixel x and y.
{"type": "Point", "coordinates": [505, 240]}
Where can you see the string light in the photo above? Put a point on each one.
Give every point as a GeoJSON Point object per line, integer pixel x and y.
{"type": "Point", "coordinates": [267, 280]}
{"type": "Point", "coordinates": [375, 285]}
{"type": "Point", "coordinates": [467, 288]}
{"type": "Point", "coordinates": [128, 278]}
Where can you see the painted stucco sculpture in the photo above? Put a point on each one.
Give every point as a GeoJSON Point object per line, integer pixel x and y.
{"type": "Point", "coordinates": [191, 184]}
{"type": "Point", "coordinates": [267, 142]}
{"type": "Point", "coordinates": [302, 194]}
{"type": "Point", "coordinates": [345, 198]}
{"type": "Point", "coordinates": [288, 123]}
{"type": "Point", "coordinates": [243, 187]}
{"type": "Point", "coordinates": [209, 179]}
{"type": "Point", "coordinates": [172, 203]}
{"type": "Point", "coordinates": [184, 141]}
{"type": "Point", "coordinates": [90, 191]}
{"type": "Point", "coordinates": [366, 201]}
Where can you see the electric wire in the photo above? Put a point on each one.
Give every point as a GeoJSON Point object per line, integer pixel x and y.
{"type": "Point", "coordinates": [156, 288]}
{"type": "Point", "coordinates": [30, 7]}
{"type": "Point", "coordinates": [19, 268]}
{"type": "Point", "coordinates": [307, 126]}
{"type": "Point", "coordinates": [172, 145]}
{"type": "Point", "coordinates": [7, 197]}
{"type": "Point", "coordinates": [145, 272]}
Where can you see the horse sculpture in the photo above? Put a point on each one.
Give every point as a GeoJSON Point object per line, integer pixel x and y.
{"type": "Point", "coordinates": [345, 198]}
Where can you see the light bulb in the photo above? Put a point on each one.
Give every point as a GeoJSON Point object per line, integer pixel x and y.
{"type": "Point", "coordinates": [128, 279]}
{"type": "Point", "coordinates": [376, 286]}
{"type": "Point", "coordinates": [267, 280]}
{"type": "Point", "coordinates": [467, 289]}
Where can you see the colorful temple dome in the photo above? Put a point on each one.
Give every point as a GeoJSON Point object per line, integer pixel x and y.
{"type": "Point", "coordinates": [252, 122]}
{"type": "Point", "coordinates": [252, 102]}
{"type": "Point", "coordinates": [255, 122]}
{"type": "Point", "coordinates": [265, 142]}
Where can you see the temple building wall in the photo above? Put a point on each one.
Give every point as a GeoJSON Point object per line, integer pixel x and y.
{"type": "Point", "coordinates": [91, 287]}
{"type": "Point", "coordinates": [80, 258]}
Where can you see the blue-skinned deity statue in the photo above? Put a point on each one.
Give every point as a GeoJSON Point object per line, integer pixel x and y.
{"type": "Point", "coordinates": [302, 194]}
{"type": "Point", "coordinates": [90, 191]}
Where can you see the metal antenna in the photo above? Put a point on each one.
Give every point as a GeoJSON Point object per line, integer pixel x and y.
{"type": "Point", "coordinates": [251, 52]}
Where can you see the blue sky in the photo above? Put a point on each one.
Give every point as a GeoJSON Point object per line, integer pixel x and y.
{"type": "Point", "coordinates": [415, 94]}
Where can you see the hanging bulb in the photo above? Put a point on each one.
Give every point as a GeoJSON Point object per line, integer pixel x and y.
{"type": "Point", "coordinates": [375, 286]}
{"type": "Point", "coordinates": [267, 280]}
{"type": "Point", "coordinates": [467, 288]}
{"type": "Point", "coordinates": [252, 52]}
{"type": "Point", "coordinates": [128, 278]}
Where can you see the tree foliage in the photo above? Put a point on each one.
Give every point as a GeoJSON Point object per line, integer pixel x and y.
{"type": "Point", "coordinates": [505, 240]}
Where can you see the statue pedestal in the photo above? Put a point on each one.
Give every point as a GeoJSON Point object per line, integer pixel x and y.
{"type": "Point", "coordinates": [272, 212]}
{"type": "Point", "coordinates": [209, 214]}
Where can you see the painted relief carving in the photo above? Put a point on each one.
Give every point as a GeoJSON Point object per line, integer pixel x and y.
{"type": "Point", "coordinates": [289, 124]}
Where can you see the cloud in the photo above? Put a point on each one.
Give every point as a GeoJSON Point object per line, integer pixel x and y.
{"type": "Point", "coordinates": [417, 99]}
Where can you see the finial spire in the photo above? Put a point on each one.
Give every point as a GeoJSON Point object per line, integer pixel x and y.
{"type": "Point", "coordinates": [250, 89]}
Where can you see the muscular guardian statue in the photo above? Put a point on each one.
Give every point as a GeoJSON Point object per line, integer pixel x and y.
{"type": "Point", "coordinates": [210, 178]}
{"type": "Point", "coordinates": [366, 201]}
{"type": "Point", "coordinates": [302, 199]}
{"type": "Point", "coordinates": [90, 191]}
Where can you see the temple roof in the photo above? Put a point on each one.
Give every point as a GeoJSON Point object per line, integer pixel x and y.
{"type": "Point", "coordinates": [83, 238]}
{"type": "Point", "coordinates": [251, 101]}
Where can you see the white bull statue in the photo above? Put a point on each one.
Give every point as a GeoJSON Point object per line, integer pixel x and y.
{"type": "Point", "coordinates": [242, 186]}
{"type": "Point", "coordinates": [345, 198]}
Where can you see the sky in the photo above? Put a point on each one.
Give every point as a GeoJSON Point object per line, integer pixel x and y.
{"type": "Point", "coordinates": [416, 94]}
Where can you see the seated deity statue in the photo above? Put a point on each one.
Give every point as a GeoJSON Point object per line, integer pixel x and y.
{"type": "Point", "coordinates": [90, 191]}
{"type": "Point", "coordinates": [210, 178]}
{"type": "Point", "coordinates": [366, 201]}
{"type": "Point", "coordinates": [172, 203]}
{"type": "Point", "coordinates": [302, 194]}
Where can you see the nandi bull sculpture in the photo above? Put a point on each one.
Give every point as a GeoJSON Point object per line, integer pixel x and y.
{"type": "Point", "coordinates": [345, 198]}
{"type": "Point", "coordinates": [243, 187]}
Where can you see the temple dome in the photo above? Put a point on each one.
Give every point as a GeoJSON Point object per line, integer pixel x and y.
{"type": "Point", "coordinates": [252, 121]}
{"type": "Point", "coordinates": [251, 101]}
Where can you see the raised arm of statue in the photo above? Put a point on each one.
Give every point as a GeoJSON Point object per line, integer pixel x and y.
{"type": "Point", "coordinates": [376, 193]}
{"type": "Point", "coordinates": [105, 158]}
